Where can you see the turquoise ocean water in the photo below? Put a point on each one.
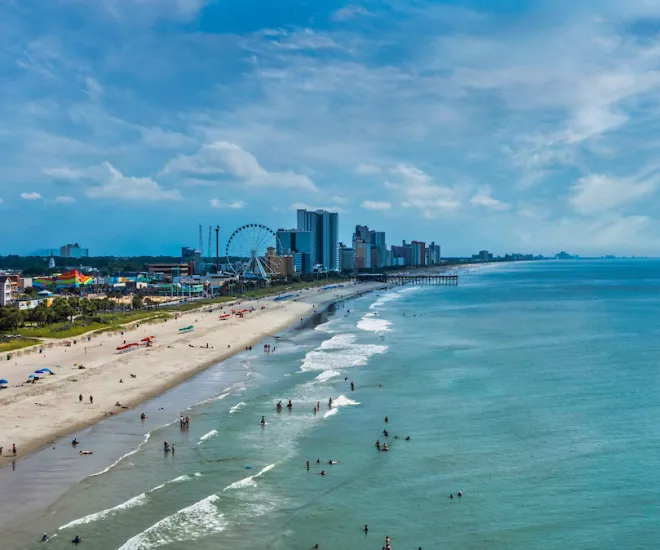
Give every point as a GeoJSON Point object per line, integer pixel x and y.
{"type": "Point", "coordinates": [532, 388]}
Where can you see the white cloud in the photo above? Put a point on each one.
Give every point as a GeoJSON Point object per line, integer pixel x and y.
{"type": "Point", "coordinates": [340, 200]}
{"type": "Point", "coordinates": [418, 191]}
{"type": "Point", "coordinates": [411, 174]}
{"type": "Point", "coordinates": [162, 139]}
{"type": "Point", "coordinates": [366, 169]}
{"type": "Point", "coordinates": [349, 12]}
{"type": "Point", "coordinates": [94, 89]}
{"type": "Point", "coordinates": [106, 181]}
{"type": "Point", "coordinates": [235, 205]}
{"type": "Point", "coordinates": [0, 200]}
{"type": "Point", "coordinates": [600, 192]}
{"type": "Point", "coordinates": [30, 196]}
{"type": "Point", "coordinates": [376, 205]}
{"type": "Point", "coordinates": [226, 159]}
{"type": "Point", "coordinates": [114, 184]}
{"type": "Point", "coordinates": [65, 173]}
{"type": "Point", "coordinates": [62, 199]}
{"type": "Point", "coordinates": [484, 198]}
{"type": "Point", "coordinates": [153, 9]}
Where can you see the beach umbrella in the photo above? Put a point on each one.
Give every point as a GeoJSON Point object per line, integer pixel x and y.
{"type": "Point", "coordinates": [4, 381]}
{"type": "Point", "coordinates": [45, 370]}
{"type": "Point", "coordinates": [31, 376]}
{"type": "Point", "coordinates": [40, 371]}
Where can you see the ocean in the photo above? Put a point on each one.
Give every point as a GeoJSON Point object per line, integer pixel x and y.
{"type": "Point", "coordinates": [531, 388]}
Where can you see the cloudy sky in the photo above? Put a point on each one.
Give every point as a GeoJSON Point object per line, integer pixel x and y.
{"type": "Point", "coordinates": [512, 125]}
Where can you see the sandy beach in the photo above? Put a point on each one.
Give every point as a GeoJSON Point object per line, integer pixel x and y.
{"type": "Point", "coordinates": [35, 415]}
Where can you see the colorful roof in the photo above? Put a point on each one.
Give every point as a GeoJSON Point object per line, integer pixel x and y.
{"type": "Point", "coordinates": [70, 279]}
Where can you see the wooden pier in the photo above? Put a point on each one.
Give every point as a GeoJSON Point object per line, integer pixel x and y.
{"type": "Point", "coordinates": [396, 279]}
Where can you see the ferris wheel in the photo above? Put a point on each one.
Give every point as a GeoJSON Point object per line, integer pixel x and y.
{"type": "Point", "coordinates": [252, 252]}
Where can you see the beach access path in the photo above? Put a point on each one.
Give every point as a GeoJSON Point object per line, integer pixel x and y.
{"type": "Point", "coordinates": [35, 415]}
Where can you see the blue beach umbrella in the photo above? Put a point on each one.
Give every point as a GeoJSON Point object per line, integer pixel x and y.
{"type": "Point", "coordinates": [31, 376]}
{"type": "Point", "coordinates": [4, 381]}
{"type": "Point", "coordinates": [40, 371]}
{"type": "Point", "coordinates": [45, 370]}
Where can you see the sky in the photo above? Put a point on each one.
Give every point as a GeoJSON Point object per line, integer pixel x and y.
{"type": "Point", "coordinates": [509, 125]}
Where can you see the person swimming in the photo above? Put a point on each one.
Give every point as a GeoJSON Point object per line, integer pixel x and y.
{"type": "Point", "coordinates": [459, 494]}
{"type": "Point", "coordinates": [76, 540]}
{"type": "Point", "coordinates": [86, 453]}
{"type": "Point", "coordinates": [407, 438]}
{"type": "Point", "coordinates": [279, 407]}
{"type": "Point", "coordinates": [75, 442]}
{"type": "Point", "coordinates": [386, 433]}
{"type": "Point", "coordinates": [324, 473]}
{"type": "Point", "coordinates": [333, 461]}
{"type": "Point", "coordinates": [385, 447]}
{"type": "Point", "coordinates": [378, 444]}
{"type": "Point", "coordinates": [386, 420]}
{"type": "Point", "coordinates": [45, 538]}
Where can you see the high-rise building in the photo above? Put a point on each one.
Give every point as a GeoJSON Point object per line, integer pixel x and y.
{"type": "Point", "coordinates": [362, 254]}
{"type": "Point", "coordinates": [298, 243]}
{"type": "Point", "coordinates": [419, 253]}
{"type": "Point", "coordinates": [346, 258]}
{"type": "Point", "coordinates": [379, 248]}
{"type": "Point", "coordinates": [324, 227]}
{"type": "Point", "coordinates": [362, 233]}
{"type": "Point", "coordinates": [73, 251]}
{"type": "Point", "coordinates": [433, 254]}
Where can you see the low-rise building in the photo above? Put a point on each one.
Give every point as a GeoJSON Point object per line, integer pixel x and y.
{"type": "Point", "coordinates": [6, 293]}
{"type": "Point", "coordinates": [169, 270]}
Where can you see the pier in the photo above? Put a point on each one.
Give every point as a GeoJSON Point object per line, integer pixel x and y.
{"type": "Point", "coordinates": [397, 279]}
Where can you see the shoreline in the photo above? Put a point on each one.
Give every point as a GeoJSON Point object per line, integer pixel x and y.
{"type": "Point", "coordinates": [255, 327]}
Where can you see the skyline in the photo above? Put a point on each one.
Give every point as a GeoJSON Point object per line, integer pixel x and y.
{"type": "Point", "coordinates": [529, 127]}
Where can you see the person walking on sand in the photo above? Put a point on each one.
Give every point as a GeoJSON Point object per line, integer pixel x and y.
{"type": "Point", "coordinates": [80, 398]}
{"type": "Point", "coordinates": [91, 400]}
{"type": "Point", "coordinates": [13, 449]}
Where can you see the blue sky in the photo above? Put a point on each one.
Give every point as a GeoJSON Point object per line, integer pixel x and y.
{"type": "Point", "coordinates": [511, 125]}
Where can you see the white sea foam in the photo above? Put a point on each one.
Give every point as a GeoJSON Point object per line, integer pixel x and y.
{"type": "Point", "coordinates": [212, 399]}
{"type": "Point", "coordinates": [130, 503]}
{"type": "Point", "coordinates": [327, 375]}
{"type": "Point", "coordinates": [341, 401]}
{"type": "Point", "coordinates": [340, 352]}
{"type": "Point", "coordinates": [236, 408]}
{"type": "Point", "coordinates": [206, 436]}
{"type": "Point", "coordinates": [249, 481]}
{"type": "Point", "coordinates": [138, 500]}
{"type": "Point", "coordinates": [130, 453]}
{"type": "Point", "coordinates": [372, 323]}
{"type": "Point", "coordinates": [179, 479]}
{"type": "Point", "coordinates": [339, 341]}
{"type": "Point", "coordinates": [188, 524]}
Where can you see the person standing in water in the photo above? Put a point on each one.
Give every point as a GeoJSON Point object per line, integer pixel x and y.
{"type": "Point", "coordinates": [352, 386]}
{"type": "Point", "coordinates": [330, 403]}
{"type": "Point", "coordinates": [263, 420]}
